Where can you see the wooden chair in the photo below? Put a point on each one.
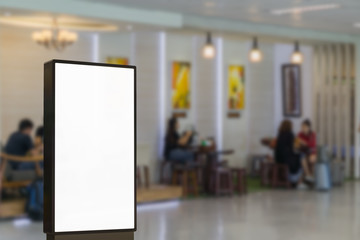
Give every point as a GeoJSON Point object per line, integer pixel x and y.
{"type": "Point", "coordinates": [164, 165]}
{"type": "Point", "coordinates": [188, 177]}
{"type": "Point", "coordinates": [139, 176]}
{"type": "Point", "coordinates": [266, 173]}
{"type": "Point", "coordinates": [256, 162]}
{"type": "Point", "coordinates": [222, 181]}
{"type": "Point", "coordinates": [5, 158]}
{"type": "Point", "coordinates": [280, 176]}
{"type": "Point", "coordinates": [240, 184]}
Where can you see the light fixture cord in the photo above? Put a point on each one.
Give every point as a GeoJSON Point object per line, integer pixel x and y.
{"type": "Point", "coordinates": [208, 38]}
{"type": "Point", "coordinates": [255, 43]}
{"type": "Point", "coordinates": [297, 46]}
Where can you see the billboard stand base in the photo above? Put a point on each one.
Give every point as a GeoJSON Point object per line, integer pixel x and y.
{"type": "Point", "coordinates": [93, 236]}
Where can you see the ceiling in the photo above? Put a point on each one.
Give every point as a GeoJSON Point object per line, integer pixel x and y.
{"type": "Point", "coordinates": [10, 17]}
{"type": "Point", "coordinates": [339, 20]}
{"type": "Point", "coordinates": [62, 22]}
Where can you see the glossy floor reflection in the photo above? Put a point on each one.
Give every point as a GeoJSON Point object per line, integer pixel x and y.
{"type": "Point", "coordinates": [271, 215]}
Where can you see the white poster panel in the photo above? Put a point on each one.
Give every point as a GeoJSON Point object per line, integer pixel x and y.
{"type": "Point", "coordinates": [94, 148]}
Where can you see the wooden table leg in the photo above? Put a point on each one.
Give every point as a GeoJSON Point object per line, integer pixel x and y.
{"type": "Point", "coordinates": [147, 178]}
{"type": "Point", "coordinates": [194, 182]}
{"type": "Point", "coordinates": [245, 182]}
{"type": "Point", "coordinates": [174, 178]}
{"type": "Point", "coordinates": [138, 176]}
{"type": "Point", "coordinates": [2, 175]}
{"type": "Point", "coordinates": [274, 177]}
{"type": "Point", "coordinates": [185, 179]}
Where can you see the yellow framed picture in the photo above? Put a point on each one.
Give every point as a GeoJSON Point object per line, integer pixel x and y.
{"type": "Point", "coordinates": [117, 60]}
{"type": "Point", "coordinates": [181, 86]}
{"type": "Point", "coordinates": [236, 88]}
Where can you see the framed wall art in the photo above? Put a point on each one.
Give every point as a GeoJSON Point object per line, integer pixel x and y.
{"type": "Point", "coordinates": [291, 85]}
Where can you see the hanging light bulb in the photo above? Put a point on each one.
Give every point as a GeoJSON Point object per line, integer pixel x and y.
{"type": "Point", "coordinates": [296, 56]}
{"type": "Point", "coordinates": [208, 50]}
{"type": "Point", "coordinates": [255, 54]}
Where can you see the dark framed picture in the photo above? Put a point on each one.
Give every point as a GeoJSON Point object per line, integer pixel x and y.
{"type": "Point", "coordinates": [291, 84]}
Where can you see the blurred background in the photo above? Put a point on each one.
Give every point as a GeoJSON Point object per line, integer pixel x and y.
{"type": "Point", "coordinates": [247, 111]}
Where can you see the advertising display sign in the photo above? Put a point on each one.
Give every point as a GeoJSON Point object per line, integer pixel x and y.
{"type": "Point", "coordinates": [90, 148]}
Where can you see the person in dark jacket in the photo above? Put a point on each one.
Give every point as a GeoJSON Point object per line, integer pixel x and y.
{"type": "Point", "coordinates": [175, 145]}
{"type": "Point", "coordinates": [285, 148]}
{"type": "Point", "coordinates": [39, 137]}
{"type": "Point", "coordinates": [21, 144]}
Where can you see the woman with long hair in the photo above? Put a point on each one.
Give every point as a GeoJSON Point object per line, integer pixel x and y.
{"type": "Point", "coordinates": [307, 139]}
{"type": "Point", "coordinates": [175, 145]}
{"type": "Point", "coordinates": [285, 148]}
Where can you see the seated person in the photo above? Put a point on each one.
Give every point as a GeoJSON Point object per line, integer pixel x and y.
{"type": "Point", "coordinates": [285, 150]}
{"type": "Point", "coordinates": [175, 145]}
{"type": "Point", "coordinates": [20, 144]}
{"type": "Point", "coordinates": [39, 137]}
{"type": "Point", "coordinates": [308, 146]}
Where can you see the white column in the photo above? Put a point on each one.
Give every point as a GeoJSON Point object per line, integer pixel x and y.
{"type": "Point", "coordinates": [330, 97]}
{"type": "Point", "coordinates": [162, 92]}
{"type": "Point", "coordinates": [357, 106]}
{"type": "Point", "coordinates": [219, 92]}
{"type": "Point", "coordinates": [347, 108]}
{"type": "Point", "coordinates": [315, 86]}
{"type": "Point", "coordinates": [95, 48]}
{"type": "Point", "coordinates": [148, 56]}
{"type": "Point", "coordinates": [322, 83]}
{"type": "Point", "coordinates": [339, 102]}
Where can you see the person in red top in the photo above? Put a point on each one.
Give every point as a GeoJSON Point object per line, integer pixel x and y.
{"type": "Point", "coordinates": [307, 140]}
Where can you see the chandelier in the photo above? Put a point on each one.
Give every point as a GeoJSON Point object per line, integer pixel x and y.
{"type": "Point", "coordinates": [56, 32]}
{"type": "Point", "coordinates": [55, 38]}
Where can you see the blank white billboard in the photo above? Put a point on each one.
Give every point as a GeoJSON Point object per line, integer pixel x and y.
{"type": "Point", "coordinates": [94, 148]}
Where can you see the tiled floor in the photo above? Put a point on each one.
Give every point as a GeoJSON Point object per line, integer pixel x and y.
{"type": "Point", "coordinates": [271, 215]}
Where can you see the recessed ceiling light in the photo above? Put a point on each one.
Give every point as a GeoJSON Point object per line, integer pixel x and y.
{"type": "Point", "coordinates": [253, 10]}
{"type": "Point", "coordinates": [357, 24]}
{"type": "Point", "coordinates": [303, 9]}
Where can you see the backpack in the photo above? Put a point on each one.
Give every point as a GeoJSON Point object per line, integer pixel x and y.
{"type": "Point", "coordinates": [35, 201]}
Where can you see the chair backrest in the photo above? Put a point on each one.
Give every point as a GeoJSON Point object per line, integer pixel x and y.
{"type": "Point", "coordinates": [144, 165]}
{"type": "Point", "coordinates": [4, 158]}
{"type": "Point", "coordinates": [143, 154]}
{"type": "Point", "coordinates": [7, 157]}
{"type": "Point", "coordinates": [323, 154]}
{"type": "Point", "coordinates": [15, 158]}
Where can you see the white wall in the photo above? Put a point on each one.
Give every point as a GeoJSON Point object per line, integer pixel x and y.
{"type": "Point", "coordinates": [261, 104]}
{"type": "Point", "coordinates": [146, 58]}
{"type": "Point", "coordinates": [202, 113]}
{"type": "Point", "coordinates": [282, 56]}
{"type": "Point", "coordinates": [205, 96]}
{"type": "Point", "coordinates": [21, 85]}
{"type": "Point", "coordinates": [180, 48]}
{"type": "Point", "coordinates": [114, 45]}
{"type": "Point", "coordinates": [21, 75]}
{"type": "Point", "coordinates": [143, 49]}
{"type": "Point", "coordinates": [235, 130]}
